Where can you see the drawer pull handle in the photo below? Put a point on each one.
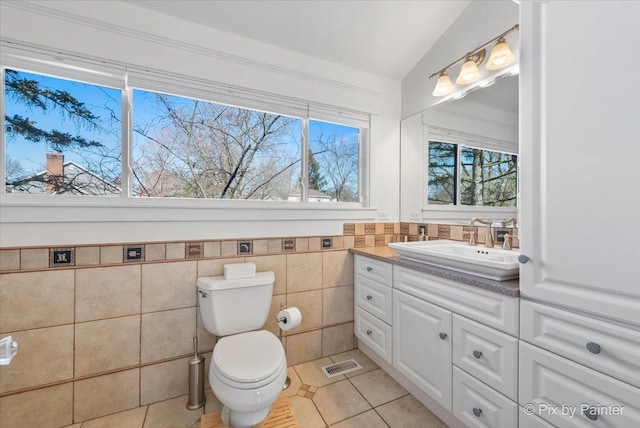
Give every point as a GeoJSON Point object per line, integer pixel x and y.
{"type": "Point", "coordinates": [369, 268]}
{"type": "Point", "coordinates": [477, 412]}
{"type": "Point", "coordinates": [369, 332]}
{"type": "Point", "coordinates": [443, 336]}
{"type": "Point", "coordinates": [369, 297]}
{"type": "Point", "coordinates": [477, 354]}
{"type": "Point", "coordinates": [591, 413]}
{"type": "Point", "coordinates": [523, 259]}
{"type": "Point", "coordinates": [593, 347]}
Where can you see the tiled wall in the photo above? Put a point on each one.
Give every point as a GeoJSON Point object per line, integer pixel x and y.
{"type": "Point", "coordinates": [100, 334]}
{"type": "Point", "coordinates": [95, 340]}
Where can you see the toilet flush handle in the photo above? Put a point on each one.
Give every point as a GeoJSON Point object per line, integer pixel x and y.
{"type": "Point", "coordinates": [203, 294]}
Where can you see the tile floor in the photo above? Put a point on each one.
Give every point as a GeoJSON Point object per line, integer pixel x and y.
{"type": "Point", "coordinates": [366, 398]}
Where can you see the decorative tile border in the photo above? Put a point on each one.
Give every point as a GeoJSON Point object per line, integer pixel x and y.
{"type": "Point", "coordinates": [355, 235]}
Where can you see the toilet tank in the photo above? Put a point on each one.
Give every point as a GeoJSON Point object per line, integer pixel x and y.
{"type": "Point", "coordinates": [230, 306]}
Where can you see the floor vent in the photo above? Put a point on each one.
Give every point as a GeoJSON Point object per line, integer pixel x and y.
{"type": "Point", "coordinates": [341, 368]}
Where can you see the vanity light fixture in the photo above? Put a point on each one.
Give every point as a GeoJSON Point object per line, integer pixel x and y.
{"type": "Point", "coordinates": [501, 56]}
{"type": "Point", "coordinates": [443, 85]}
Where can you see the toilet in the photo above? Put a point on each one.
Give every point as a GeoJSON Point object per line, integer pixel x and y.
{"type": "Point", "coordinates": [248, 367]}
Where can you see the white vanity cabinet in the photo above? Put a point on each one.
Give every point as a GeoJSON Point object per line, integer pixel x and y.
{"type": "Point", "coordinates": [372, 296]}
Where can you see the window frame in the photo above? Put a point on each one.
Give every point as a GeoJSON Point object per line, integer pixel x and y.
{"type": "Point", "coordinates": [116, 77]}
{"type": "Point", "coordinates": [458, 212]}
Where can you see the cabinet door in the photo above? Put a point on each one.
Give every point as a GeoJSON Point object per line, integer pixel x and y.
{"type": "Point", "coordinates": [422, 345]}
{"type": "Point", "coordinates": [579, 156]}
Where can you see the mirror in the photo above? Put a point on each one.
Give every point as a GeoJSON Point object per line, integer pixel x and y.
{"type": "Point", "coordinates": [485, 119]}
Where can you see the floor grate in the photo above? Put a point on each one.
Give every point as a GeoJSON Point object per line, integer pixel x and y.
{"type": "Point", "coordinates": [341, 368]}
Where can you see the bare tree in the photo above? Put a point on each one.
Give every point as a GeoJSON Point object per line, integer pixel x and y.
{"type": "Point", "coordinates": [338, 160]}
{"type": "Point", "coordinates": [205, 150]}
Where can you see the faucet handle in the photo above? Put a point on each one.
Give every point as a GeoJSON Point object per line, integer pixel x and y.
{"type": "Point", "coordinates": [506, 244]}
{"type": "Point", "coordinates": [472, 237]}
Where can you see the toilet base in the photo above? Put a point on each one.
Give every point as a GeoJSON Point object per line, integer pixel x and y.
{"type": "Point", "coordinates": [243, 420]}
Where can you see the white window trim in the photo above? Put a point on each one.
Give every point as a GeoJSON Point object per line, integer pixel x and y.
{"type": "Point", "coordinates": [94, 71]}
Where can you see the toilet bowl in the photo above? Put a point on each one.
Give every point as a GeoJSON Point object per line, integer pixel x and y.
{"type": "Point", "coordinates": [247, 373]}
{"type": "Point", "coordinates": [248, 366]}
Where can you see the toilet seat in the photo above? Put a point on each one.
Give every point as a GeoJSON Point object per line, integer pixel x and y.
{"type": "Point", "coordinates": [248, 360]}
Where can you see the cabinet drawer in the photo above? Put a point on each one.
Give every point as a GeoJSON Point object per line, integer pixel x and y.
{"type": "Point", "coordinates": [374, 298]}
{"type": "Point", "coordinates": [615, 350]}
{"type": "Point", "coordinates": [552, 384]}
{"type": "Point", "coordinates": [477, 405]}
{"type": "Point", "coordinates": [374, 269]}
{"type": "Point", "coordinates": [374, 333]}
{"type": "Point", "coordinates": [527, 420]}
{"type": "Point", "coordinates": [487, 354]}
{"type": "Point", "coordinates": [487, 307]}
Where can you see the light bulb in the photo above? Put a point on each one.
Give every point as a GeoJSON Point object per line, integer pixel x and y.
{"type": "Point", "coordinates": [501, 56]}
{"type": "Point", "coordinates": [469, 73]}
{"type": "Point", "coordinates": [443, 85]}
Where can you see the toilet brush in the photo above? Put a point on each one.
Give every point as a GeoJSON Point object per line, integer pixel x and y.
{"type": "Point", "coordinates": [196, 379]}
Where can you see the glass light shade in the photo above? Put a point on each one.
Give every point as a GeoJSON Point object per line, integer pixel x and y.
{"type": "Point", "coordinates": [443, 86]}
{"type": "Point", "coordinates": [469, 73]}
{"type": "Point", "coordinates": [501, 56]}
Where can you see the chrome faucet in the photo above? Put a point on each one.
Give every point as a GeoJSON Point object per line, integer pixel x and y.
{"type": "Point", "coordinates": [509, 221]}
{"type": "Point", "coordinates": [488, 239]}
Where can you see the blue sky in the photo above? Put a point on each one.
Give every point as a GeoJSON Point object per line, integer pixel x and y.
{"type": "Point", "coordinates": [105, 103]}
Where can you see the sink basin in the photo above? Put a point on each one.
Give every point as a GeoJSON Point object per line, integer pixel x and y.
{"type": "Point", "coordinates": [491, 263]}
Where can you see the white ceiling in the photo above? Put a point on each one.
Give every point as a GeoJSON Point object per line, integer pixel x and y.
{"type": "Point", "coordinates": [387, 38]}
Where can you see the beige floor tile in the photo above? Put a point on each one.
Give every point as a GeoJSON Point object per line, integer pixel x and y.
{"type": "Point", "coordinates": [311, 373]}
{"type": "Point", "coordinates": [407, 412]}
{"type": "Point", "coordinates": [74, 425]}
{"type": "Point", "coordinates": [306, 413]}
{"type": "Point", "coordinates": [54, 408]}
{"type": "Point", "coordinates": [296, 383]}
{"type": "Point", "coordinates": [212, 405]}
{"type": "Point", "coordinates": [45, 355]}
{"type": "Point", "coordinates": [105, 395]}
{"type": "Point", "coordinates": [368, 419]}
{"type": "Point", "coordinates": [171, 414]}
{"type": "Point", "coordinates": [365, 362]}
{"type": "Point", "coordinates": [337, 339]}
{"type": "Point", "coordinates": [339, 401]}
{"type": "Point", "coordinates": [106, 345]}
{"type": "Point", "coordinates": [133, 418]}
{"type": "Point", "coordinates": [377, 387]}
{"type": "Point", "coordinates": [35, 299]}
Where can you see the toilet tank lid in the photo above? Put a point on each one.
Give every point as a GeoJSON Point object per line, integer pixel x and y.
{"type": "Point", "coordinates": [212, 283]}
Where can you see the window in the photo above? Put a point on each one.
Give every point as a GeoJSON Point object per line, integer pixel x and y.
{"type": "Point", "coordinates": [61, 136]}
{"type": "Point", "coordinates": [66, 137]}
{"type": "Point", "coordinates": [334, 158]}
{"type": "Point", "coordinates": [187, 148]}
{"type": "Point", "coordinates": [461, 175]}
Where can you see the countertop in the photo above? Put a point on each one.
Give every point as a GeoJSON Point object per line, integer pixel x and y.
{"type": "Point", "coordinates": [386, 254]}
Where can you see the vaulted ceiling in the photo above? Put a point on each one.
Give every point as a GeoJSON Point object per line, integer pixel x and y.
{"type": "Point", "coordinates": [387, 38]}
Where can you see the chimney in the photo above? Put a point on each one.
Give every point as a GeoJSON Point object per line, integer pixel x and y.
{"type": "Point", "coordinates": [55, 171]}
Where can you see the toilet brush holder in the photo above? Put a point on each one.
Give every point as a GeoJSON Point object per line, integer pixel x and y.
{"type": "Point", "coordinates": [196, 379]}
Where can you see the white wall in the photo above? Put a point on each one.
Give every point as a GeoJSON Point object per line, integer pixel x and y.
{"type": "Point", "coordinates": [480, 22]}
{"type": "Point", "coordinates": [125, 33]}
